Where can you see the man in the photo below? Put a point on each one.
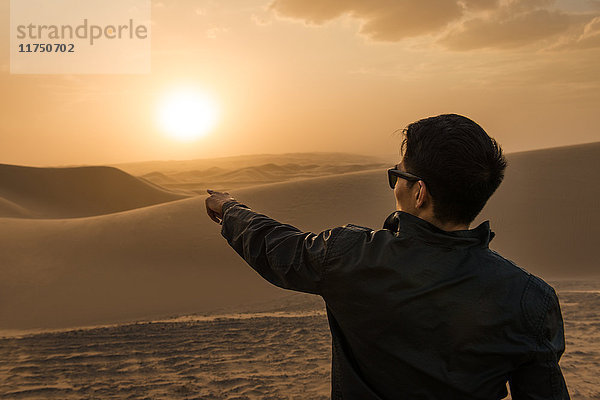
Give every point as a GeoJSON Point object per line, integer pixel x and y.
{"type": "Point", "coordinates": [421, 309]}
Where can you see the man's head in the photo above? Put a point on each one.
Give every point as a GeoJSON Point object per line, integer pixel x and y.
{"type": "Point", "coordinates": [460, 166]}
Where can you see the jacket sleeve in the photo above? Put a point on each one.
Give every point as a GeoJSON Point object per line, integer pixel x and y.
{"type": "Point", "coordinates": [541, 377]}
{"type": "Point", "coordinates": [280, 253]}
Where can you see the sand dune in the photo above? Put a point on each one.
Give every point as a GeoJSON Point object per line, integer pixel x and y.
{"type": "Point", "coordinates": [10, 209]}
{"type": "Point", "coordinates": [547, 211]}
{"type": "Point", "coordinates": [170, 258]}
{"type": "Point", "coordinates": [74, 192]}
{"type": "Point", "coordinates": [227, 179]}
{"type": "Point", "coordinates": [231, 173]}
{"type": "Point", "coordinates": [222, 164]}
{"type": "Point", "coordinates": [152, 261]}
{"type": "Point", "coordinates": [148, 262]}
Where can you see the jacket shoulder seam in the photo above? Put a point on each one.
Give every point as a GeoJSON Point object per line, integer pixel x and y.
{"type": "Point", "coordinates": [332, 252]}
{"type": "Point", "coordinates": [535, 322]}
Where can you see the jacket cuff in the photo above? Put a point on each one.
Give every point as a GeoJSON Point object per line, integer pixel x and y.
{"type": "Point", "coordinates": [229, 216]}
{"type": "Point", "coordinates": [229, 204]}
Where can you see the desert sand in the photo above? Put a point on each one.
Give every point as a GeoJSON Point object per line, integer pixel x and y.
{"type": "Point", "coordinates": [91, 246]}
{"type": "Point", "coordinates": [147, 262]}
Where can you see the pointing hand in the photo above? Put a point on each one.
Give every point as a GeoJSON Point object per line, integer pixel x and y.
{"type": "Point", "coordinates": [214, 204]}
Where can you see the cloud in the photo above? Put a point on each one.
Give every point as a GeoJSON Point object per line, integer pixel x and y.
{"type": "Point", "coordinates": [384, 20]}
{"type": "Point", "coordinates": [504, 30]}
{"type": "Point", "coordinates": [455, 24]}
{"type": "Point", "coordinates": [517, 6]}
{"type": "Point", "coordinates": [409, 19]}
{"type": "Point", "coordinates": [590, 36]}
{"type": "Point", "coordinates": [316, 12]}
{"type": "Point", "coordinates": [480, 4]}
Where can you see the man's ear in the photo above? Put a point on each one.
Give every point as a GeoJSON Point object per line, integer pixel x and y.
{"type": "Point", "coordinates": [421, 194]}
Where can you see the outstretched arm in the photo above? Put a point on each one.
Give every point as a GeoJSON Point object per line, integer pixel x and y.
{"type": "Point", "coordinates": [280, 253]}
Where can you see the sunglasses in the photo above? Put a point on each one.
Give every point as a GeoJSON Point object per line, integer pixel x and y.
{"type": "Point", "coordinates": [394, 174]}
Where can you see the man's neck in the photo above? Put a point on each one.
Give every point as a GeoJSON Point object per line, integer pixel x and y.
{"type": "Point", "coordinates": [450, 226]}
{"type": "Point", "coordinates": [445, 226]}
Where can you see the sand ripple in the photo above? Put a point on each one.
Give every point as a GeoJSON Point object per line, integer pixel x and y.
{"type": "Point", "coordinates": [264, 357]}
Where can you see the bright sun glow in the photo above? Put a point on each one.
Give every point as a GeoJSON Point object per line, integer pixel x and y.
{"type": "Point", "coordinates": [187, 115]}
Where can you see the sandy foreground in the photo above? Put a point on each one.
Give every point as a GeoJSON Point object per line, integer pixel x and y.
{"type": "Point", "coordinates": [269, 351]}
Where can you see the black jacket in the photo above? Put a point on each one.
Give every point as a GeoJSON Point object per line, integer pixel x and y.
{"type": "Point", "coordinates": [415, 312]}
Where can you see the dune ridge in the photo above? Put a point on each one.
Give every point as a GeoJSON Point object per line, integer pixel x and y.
{"type": "Point", "coordinates": [243, 161]}
{"type": "Point", "coordinates": [226, 179]}
{"type": "Point", "coordinates": [32, 192]}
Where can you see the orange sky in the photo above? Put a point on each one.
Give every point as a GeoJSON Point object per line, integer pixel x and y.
{"type": "Point", "coordinates": [327, 75]}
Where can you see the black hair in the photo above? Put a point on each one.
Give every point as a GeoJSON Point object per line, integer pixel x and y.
{"type": "Point", "coordinates": [461, 165]}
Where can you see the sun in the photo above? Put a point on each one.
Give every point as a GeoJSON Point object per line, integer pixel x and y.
{"type": "Point", "coordinates": [187, 115]}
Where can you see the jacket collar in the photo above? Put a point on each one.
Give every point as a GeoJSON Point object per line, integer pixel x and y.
{"type": "Point", "coordinates": [405, 224]}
